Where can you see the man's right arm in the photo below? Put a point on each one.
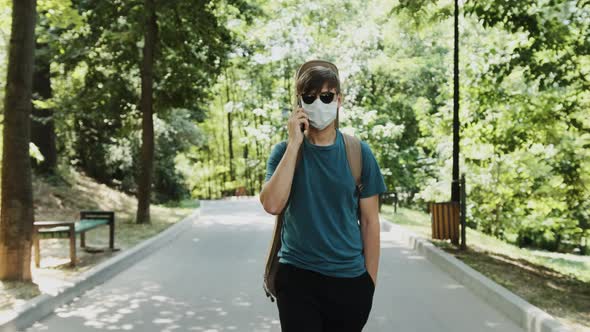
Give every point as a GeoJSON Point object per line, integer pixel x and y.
{"type": "Point", "coordinates": [275, 191]}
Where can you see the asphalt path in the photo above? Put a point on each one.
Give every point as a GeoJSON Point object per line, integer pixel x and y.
{"type": "Point", "coordinates": [210, 279]}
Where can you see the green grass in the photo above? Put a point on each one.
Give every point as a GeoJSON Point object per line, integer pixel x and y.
{"type": "Point", "coordinates": [185, 204]}
{"type": "Point", "coordinates": [542, 278]}
{"type": "Point", "coordinates": [575, 265]}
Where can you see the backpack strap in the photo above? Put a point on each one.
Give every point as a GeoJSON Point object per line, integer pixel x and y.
{"type": "Point", "coordinates": [355, 160]}
{"type": "Point", "coordinates": [299, 156]}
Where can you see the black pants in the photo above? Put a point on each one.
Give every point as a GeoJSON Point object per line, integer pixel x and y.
{"type": "Point", "coordinates": [312, 302]}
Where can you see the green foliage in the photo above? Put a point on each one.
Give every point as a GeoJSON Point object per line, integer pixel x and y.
{"type": "Point", "coordinates": [524, 125]}
{"type": "Point", "coordinates": [95, 50]}
{"type": "Point", "coordinates": [524, 142]}
{"type": "Point", "coordinates": [225, 68]}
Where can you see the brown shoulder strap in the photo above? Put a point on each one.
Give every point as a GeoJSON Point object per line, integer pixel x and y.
{"type": "Point", "coordinates": [353, 153]}
{"type": "Point", "coordinates": [299, 155]}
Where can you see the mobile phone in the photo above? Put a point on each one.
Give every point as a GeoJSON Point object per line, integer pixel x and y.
{"type": "Point", "coordinates": [301, 125]}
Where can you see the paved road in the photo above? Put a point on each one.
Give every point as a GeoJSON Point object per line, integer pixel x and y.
{"type": "Point", "coordinates": [209, 279]}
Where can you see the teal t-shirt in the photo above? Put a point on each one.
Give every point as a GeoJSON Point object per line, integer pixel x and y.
{"type": "Point", "coordinates": [321, 231]}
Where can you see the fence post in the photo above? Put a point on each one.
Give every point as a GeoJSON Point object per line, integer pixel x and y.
{"type": "Point", "coordinates": [462, 214]}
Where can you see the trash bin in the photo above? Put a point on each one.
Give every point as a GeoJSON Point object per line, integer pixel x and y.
{"type": "Point", "coordinates": [445, 221]}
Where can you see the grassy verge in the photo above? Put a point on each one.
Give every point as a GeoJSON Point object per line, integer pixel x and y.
{"type": "Point", "coordinates": [63, 201]}
{"type": "Point", "coordinates": [555, 282]}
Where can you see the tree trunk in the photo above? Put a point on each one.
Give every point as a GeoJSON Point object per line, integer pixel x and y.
{"type": "Point", "coordinates": [17, 212]}
{"type": "Point", "coordinates": [242, 117]}
{"type": "Point", "coordinates": [221, 161]}
{"type": "Point", "coordinates": [223, 150]}
{"type": "Point", "coordinates": [147, 135]}
{"type": "Point", "coordinates": [261, 175]}
{"type": "Point", "coordinates": [42, 127]}
{"type": "Point", "coordinates": [232, 175]}
{"type": "Point", "coordinates": [456, 122]}
{"type": "Point", "coordinates": [210, 172]}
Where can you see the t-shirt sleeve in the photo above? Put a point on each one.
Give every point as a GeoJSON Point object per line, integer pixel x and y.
{"type": "Point", "coordinates": [276, 154]}
{"type": "Point", "coordinates": [371, 176]}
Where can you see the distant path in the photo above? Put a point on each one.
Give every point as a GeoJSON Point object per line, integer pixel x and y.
{"type": "Point", "coordinates": [210, 277]}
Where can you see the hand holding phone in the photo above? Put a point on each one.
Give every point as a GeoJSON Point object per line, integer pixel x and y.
{"type": "Point", "coordinates": [298, 119]}
{"type": "Point", "coordinates": [301, 125]}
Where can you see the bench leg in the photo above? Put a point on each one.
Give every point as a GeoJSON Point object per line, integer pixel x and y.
{"type": "Point", "coordinates": [72, 246]}
{"type": "Point", "coordinates": [112, 234]}
{"type": "Point", "coordinates": [37, 250]}
{"type": "Point", "coordinates": [83, 239]}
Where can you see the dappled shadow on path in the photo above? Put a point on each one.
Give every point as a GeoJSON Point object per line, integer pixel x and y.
{"type": "Point", "coordinates": [542, 286]}
{"type": "Point", "coordinates": [412, 294]}
{"type": "Point", "coordinates": [148, 308]}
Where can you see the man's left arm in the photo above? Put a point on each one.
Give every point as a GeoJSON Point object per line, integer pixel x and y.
{"type": "Point", "coordinates": [370, 232]}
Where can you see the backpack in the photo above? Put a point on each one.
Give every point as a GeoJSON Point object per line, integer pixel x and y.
{"type": "Point", "coordinates": [353, 154]}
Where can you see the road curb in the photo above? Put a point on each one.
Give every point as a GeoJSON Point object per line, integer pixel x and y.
{"type": "Point", "coordinates": [44, 304]}
{"type": "Point", "coordinates": [526, 315]}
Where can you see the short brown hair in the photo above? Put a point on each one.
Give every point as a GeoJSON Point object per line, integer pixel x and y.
{"type": "Point", "coordinates": [313, 79]}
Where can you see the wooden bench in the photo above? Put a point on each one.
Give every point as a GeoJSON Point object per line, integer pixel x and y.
{"type": "Point", "coordinates": [68, 229]}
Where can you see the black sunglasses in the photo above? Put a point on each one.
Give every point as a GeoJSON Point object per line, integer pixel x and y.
{"type": "Point", "coordinates": [325, 97]}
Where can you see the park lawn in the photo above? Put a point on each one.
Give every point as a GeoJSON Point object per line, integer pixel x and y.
{"type": "Point", "coordinates": [555, 282]}
{"type": "Point", "coordinates": [62, 200]}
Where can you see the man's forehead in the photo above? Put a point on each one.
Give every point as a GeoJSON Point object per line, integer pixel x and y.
{"type": "Point", "coordinates": [323, 89]}
{"type": "Point", "coordinates": [326, 88]}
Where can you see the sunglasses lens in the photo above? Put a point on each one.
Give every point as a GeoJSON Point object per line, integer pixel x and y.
{"type": "Point", "coordinates": [327, 97]}
{"type": "Point", "coordinates": [308, 99]}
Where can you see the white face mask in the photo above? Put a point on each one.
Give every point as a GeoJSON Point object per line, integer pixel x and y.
{"type": "Point", "coordinates": [320, 114]}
